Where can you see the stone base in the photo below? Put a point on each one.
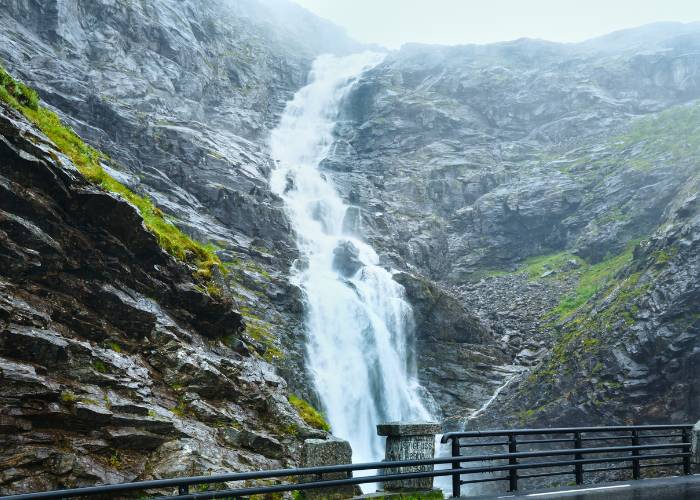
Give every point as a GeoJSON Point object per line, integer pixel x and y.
{"type": "Point", "coordinates": [333, 451]}
{"type": "Point", "coordinates": [409, 441]}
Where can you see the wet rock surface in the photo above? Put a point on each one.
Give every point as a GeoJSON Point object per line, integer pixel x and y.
{"type": "Point", "coordinates": [466, 161]}
{"type": "Point", "coordinates": [109, 370]}
{"type": "Point", "coordinates": [182, 95]}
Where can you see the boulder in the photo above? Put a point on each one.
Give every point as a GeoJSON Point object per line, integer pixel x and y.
{"type": "Point", "coordinates": [346, 259]}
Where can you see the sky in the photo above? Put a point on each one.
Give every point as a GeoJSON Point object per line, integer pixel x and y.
{"type": "Point", "coordinates": [391, 23]}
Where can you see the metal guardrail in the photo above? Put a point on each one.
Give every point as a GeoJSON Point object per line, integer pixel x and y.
{"type": "Point", "coordinates": [512, 461]}
{"type": "Point", "coordinates": [575, 436]}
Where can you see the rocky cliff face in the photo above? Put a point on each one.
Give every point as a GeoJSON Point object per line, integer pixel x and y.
{"type": "Point", "coordinates": [181, 95]}
{"type": "Point", "coordinates": [480, 138]}
{"type": "Point", "coordinates": [114, 364]}
{"type": "Point", "coordinates": [525, 165]}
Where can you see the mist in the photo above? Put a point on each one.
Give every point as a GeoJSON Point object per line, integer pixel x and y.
{"type": "Point", "coordinates": [391, 23]}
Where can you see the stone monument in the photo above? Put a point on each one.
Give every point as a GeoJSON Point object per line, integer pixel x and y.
{"type": "Point", "coordinates": [409, 441]}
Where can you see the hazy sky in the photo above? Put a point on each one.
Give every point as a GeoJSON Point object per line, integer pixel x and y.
{"type": "Point", "coordinates": [393, 22]}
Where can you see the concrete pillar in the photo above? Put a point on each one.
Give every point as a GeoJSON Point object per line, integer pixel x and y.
{"type": "Point", "coordinates": [409, 441]}
{"type": "Point", "coordinates": [332, 451]}
{"type": "Point", "coordinates": [695, 446]}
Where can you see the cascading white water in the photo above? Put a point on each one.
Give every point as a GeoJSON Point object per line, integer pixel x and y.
{"type": "Point", "coordinates": [358, 324]}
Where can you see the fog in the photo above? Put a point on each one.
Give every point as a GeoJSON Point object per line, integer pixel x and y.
{"type": "Point", "coordinates": [393, 22]}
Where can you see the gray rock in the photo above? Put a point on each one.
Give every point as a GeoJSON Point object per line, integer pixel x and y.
{"type": "Point", "coordinates": [333, 451]}
{"type": "Point", "coordinates": [346, 259]}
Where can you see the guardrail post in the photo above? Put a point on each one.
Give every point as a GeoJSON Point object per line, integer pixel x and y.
{"type": "Point", "coordinates": [456, 479]}
{"type": "Point", "coordinates": [686, 459]}
{"type": "Point", "coordinates": [183, 489]}
{"type": "Point", "coordinates": [578, 468]}
{"type": "Point", "coordinates": [409, 441]}
{"type": "Point", "coordinates": [635, 453]}
{"type": "Point", "coordinates": [513, 473]}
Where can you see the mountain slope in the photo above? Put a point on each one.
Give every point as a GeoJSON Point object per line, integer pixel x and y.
{"type": "Point", "coordinates": [114, 364]}
{"type": "Point", "coordinates": [516, 174]}
{"type": "Point", "coordinates": [181, 96]}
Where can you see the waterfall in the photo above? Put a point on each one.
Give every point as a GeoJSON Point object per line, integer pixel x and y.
{"type": "Point", "coordinates": [359, 325]}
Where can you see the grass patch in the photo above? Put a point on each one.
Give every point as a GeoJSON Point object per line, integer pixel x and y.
{"type": "Point", "coordinates": [181, 409]}
{"type": "Point", "coordinates": [69, 397]}
{"type": "Point", "coordinates": [674, 132]}
{"type": "Point", "coordinates": [535, 267]}
{"type": "Point", "coordinates": [87, 159]}
{"type": "Point", "coordinates": [309, 414]}
{"type": "Point", "coordinates": [594, 278]}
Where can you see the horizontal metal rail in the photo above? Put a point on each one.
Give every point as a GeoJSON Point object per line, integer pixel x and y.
{"type": "Point", "coordinates": [677, 447]}
{"type": "Point", "coordinates": [562, 430]}
{"type": "Point", "coordinates": [488, 463]}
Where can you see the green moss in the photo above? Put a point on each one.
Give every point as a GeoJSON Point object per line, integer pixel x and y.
{"type": "Point", "coordinates": [99, 366]}
{"type": "Point", "coordinates": [249, 265]}
{"type": "Point", "coordinates": [87, 159]}
{"type": "Point", "coordinates": [115, 347]}
{"type": "Point", "coordinates": [584, 334]}
{"type": "Point", "coordinates": [181, 409]}
{"type": "Point", "coordinates": [261, 331]}
{"type": "Point", "coordinates": [266, 496]}
{"type": "Point", "coordinates": [309, 414]}
{"type": "Point", "coordinates": [291, 430]}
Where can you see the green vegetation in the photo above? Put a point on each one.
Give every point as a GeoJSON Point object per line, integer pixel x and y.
{"type": "Point", "coordinates": [583, 334]}
{"type": "Point", "coordinates": [99, 366]}
{"type": "Point", "coordinates": [309, 414]}
{"type": "Point", "coordinates": [181, 409]}
{"type": "Point", "coordinates": [593, 279]}
{"type": "Point", "coordinates": [261, 331]}
{"type": "Point", "coordinates": [115, 347]}
{"type": "Point", "coordinates": [115, 460]}
{"type": "Point", "coordinates": [674, 132]}
{"type": "Point", "coordinates": [588, 323]}
{"type": "Point", "coordinates": [537, 266]}
{"type": "Point", "coordinates": [664, 256]}
{"type": "Point", "coordinates": [291, 430]}
{"type": "Point", "coordinates": [69, 397]}
{"type": "Point", "coordinates": [670, 139]}
{"type": "Point", "coordinates": [88, 159]}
